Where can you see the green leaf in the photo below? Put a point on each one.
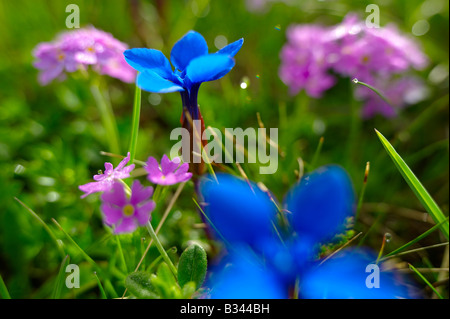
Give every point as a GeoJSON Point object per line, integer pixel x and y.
{"type": "Point", "coordinates": [165, 274]}
{"type": "Point", "coordinates": [192, 266]}
{"type": "Point", "coordinates": [188, 290]}
{"type": "Point", "coordinates": [165, 283]}
{"type": "Point", "coordinates": [4, 293]}
{"type": "Point", "coordinates": [140, 285]}
{"type": "Point", "coordinates": [419, 190]}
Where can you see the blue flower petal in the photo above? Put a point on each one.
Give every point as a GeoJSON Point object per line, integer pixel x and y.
{"type": "Point", "coordinates": [153, 82]}
{"type": "Point", "coordinates": [209, 67]}
{"type": "Point", "coordinates": [148, 59]}
{"type": "Point", "coordinates": [320, 203]}
{"type": "Point", "coordinates": [345, 277]}
{"type": "Point", "coordinates": [242, 213]}
{"type": "Point", "coordinates": [242, 276]}
{"type": "Point", "coordinates": [189, 47]}
{"type": "Point", "coordinates": [232, 48]}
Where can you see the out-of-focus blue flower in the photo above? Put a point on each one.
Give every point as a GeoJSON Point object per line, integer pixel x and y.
{"type": "Point", "coordinates": [193, 66]}
{"type": "Point", "coordinates": [265, 262]}
{"type": "Point", "coordinates": [243, 276]}
{"type": "Point", "coordinates": [241, 211]}
{"type": "Point", "coordinates": [344, 277]}
{"type": "Point", "coordinates": [320, 203]}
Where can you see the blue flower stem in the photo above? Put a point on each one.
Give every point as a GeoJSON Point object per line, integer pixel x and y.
{"type": "Point", "coordinates": [135, 124]}
{"type": "Point", "coordinates": [161, 250]}
{"type": "Point", "coordinates": [107, 116]}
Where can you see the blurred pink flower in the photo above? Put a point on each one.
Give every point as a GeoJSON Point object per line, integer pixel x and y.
{"type": "Point", "coordinates": [305, 60]}
{"type": "Point", "coordinates": [377, 56]}
{"type": "Point", "coordinates": [78, 49]}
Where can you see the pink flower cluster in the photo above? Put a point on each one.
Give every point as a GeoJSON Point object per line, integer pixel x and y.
{"type": "Point", "coordinates": [78, 49]}
{"type": "Point", "coordinates": [314, 54]}
{"type": "Point", "coordinates": [125, 213]}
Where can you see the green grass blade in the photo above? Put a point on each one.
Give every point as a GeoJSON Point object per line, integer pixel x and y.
{"type": "Point", "coordinates": [107, 115]}
{"type": "Point", "coordinates": [135, 124]}
{"type": "Point", "coordinates": [4, 293]}
{"type": "Point", "coordinates": [419, 190]}
{"type": "Point", "coordinates": [100, 287]}
{"type": "Point", "coordinates": [56, 294]}
{"type": "Point", "coordinates": [212, 225]}
{"type": "Point", "coordinates": [46, 227]}
{"type": "Point", "coordinates": [415, 240]}
{"type": "Point", "coordinates": [363, 190]}
{"type": "Point", "coordinates": [83, 253]}
{"type": "Point", "coordinates": [374, 89]}
{"type": "Point", "coordinates": [317, 153]}
{"type": "Point", "coordinates": [425, 280]}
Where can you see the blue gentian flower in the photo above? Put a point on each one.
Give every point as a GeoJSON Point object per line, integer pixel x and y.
{"type": "Point", "coordinates": [192, 64]}
{"type": "Point", "coordinates": [263, 261]}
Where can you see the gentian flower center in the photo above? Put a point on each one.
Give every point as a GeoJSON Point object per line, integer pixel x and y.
{"type": "Point", "coordinates": [128, 210]}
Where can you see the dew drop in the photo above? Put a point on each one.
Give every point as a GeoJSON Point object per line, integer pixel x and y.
{"type": "Point", "coordinates": [278, 27]}
{"type": "Point", "coordinates": [387, 237]}
{"type": "Point", "coordinates": [245, 82]}
{"type": "Point", "coordinates": [355, 80]}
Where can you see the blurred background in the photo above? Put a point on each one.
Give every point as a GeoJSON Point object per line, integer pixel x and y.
{"type": "Point", "coordinates": [51, 136]}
